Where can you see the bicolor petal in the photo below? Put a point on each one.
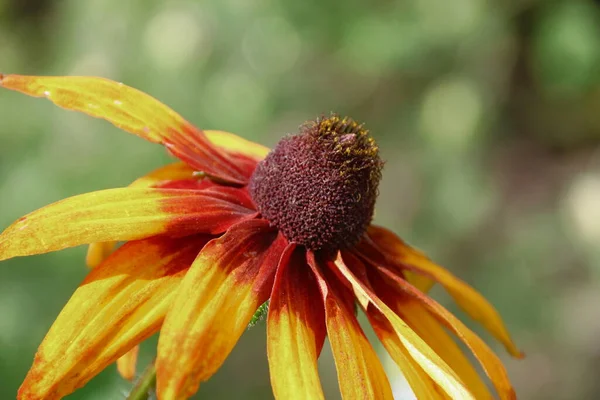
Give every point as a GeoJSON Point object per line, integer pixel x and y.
{"type": "Point", "coordinates": [489, 361]}
{"type": "Point", "coordinates": [99, 251]}
{"type": "Point", "coordinates": [360, 373]}
{"type": "Point", "coordinates": [295, 329]}
{"type": "Point", "coordinates": [134, 112]}
{"type": "Point", "coordinates": [121, 214]}
{"type": "Point", "coordinates": [472, 302]}
{"type": "Point", "coordinates": [119, 304]}
{"type": "Point", "coordinates": [427, 359]}
{"type": "Point", "coordinates": [228, 281]}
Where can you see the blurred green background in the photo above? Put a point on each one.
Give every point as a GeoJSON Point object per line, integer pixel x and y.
{"type": "Point", "coordinates": [487, 112]}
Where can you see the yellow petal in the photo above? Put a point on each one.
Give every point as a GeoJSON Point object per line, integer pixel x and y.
{"type": "Point", "coordinates": [134, 112]}
{"type": "Point", "coordinates": [119, 214]}
{"type": "Point", "coordinates": [471, 301]}
{"type": "Point", "coordinates": [119, 304]}
{"type": "Point", "coordinates": [237, 145]}
{"type": "Point", "coordinates": [430, 330]}
{"type": "Point", "coordinates": [370, 250]}
{"type": "Point", "coordinates": [421, 384]}
{"type": "Point", "coordinates": [169, 172]}
{"type": "Point", "coordinates": [360, 373]}
{"type": "Point", "coordinates": [489, 361]}
{"type": "Point", "coordinates": [98, 252]}
{"type": "Point", "coordinates": [295, 330]}
{"type": "Point", "coordinates": [431, 363]}
{"type": "Point", "coordinates": [127, 363]}
{"type": "Point", "coordinates": [231, 277]}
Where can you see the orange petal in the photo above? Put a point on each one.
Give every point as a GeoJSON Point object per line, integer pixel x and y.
{"type": "Point", "coordinates": [421, 384]}
{"type": "Point", "coordinates": [427, 359]}
{"type": "Point", "coordinates": [295, 329]}
{"type": "Point", "coordinates": [134, 112]}
{"type": "Point", "coordinates": [120, 214]}
{"type": "Point", "coordinates": [127, 363]}
{"type": "Point", "coordinates": [231, 277]}
{"type": "Point", "coordinates": [360, 373]}
{"type": "Point", "coordinates": [119, 304]}
{"type": "Point", "coordinates": [489, 361]}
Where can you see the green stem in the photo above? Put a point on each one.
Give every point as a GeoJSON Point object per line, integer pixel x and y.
{"type": "Point", "coordinates": [144, 384]}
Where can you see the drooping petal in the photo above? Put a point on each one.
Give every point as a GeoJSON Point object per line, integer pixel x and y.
{"type": "Point", "coordinates": [295, 329]}
{"type": "Point", "coordinates": [126, 364]}
{"type": "Point", "coordinates": [421, 384]}
{"type": "Point", "coordinates": [427, 359]}
{"type": "Point", "coordinates": [489, 361]}
{"type": "Point", "coordinates": [360, 373]}
{"type": "Point", "coordinates": [431, 331]}
{"type": "Point", "coordinates": [134, 112]}
{"type": "Point", "coordinates": [472, 302]}
{"type": "Point", "coordinates": [119, 304]}
{"type": "Point", "coordinates": [231, 277]}
{"type": "Point", "coordinates": [121, 214]}
{"type": "Point", "coordinates": [368, 250]}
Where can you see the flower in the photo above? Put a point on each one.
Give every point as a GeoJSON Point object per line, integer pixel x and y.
{"type": "Point", "coordinates": [209, 239]}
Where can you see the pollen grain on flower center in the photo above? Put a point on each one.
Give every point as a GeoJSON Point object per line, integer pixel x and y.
{"type": "Point", "coordinates": [319, 187]}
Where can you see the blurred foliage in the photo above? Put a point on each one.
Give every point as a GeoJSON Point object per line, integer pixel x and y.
{"type": "Point", "coordinates": [487, 113]}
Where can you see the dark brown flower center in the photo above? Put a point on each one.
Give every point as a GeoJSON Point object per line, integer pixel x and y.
{"type": "Point", "coordinates": [319, 187]}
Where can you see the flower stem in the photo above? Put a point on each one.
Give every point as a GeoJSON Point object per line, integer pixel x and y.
{"type": "Point", "coordinates": [144, 384]}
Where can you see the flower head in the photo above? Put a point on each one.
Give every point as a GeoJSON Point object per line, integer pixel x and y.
{"type": "Point", "coordinates": [211, 238]}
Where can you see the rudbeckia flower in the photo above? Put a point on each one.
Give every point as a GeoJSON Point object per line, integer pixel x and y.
{"type": "Point", "coordinates": [209, 239]}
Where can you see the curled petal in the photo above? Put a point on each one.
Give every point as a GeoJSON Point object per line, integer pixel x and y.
{"type": "Point", "coordinates": [231, 277]}
{"type": "Point", "coordinates": [170, 172]}
{"type": "Point", "coordinates": [489, 361]}
{"type": "Point", "coordinates": [120, 303]}
{"type": "Point", "coordinates": [98, 252]}
{"type": "Point", "coordinates": [121, 214]}
{"type": "Point", "coordinates": [134, 112]}
{"type": "Point", "coordinates": [126, 364]}
{"type": "Point", "coordinates": [360, 373]}
{"type": "Point", "coordinates": [427, 359]}
{"type": "Point", "coordinates": [472, 302]}
{"type": "Point", "coordinates": [295, 329]}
